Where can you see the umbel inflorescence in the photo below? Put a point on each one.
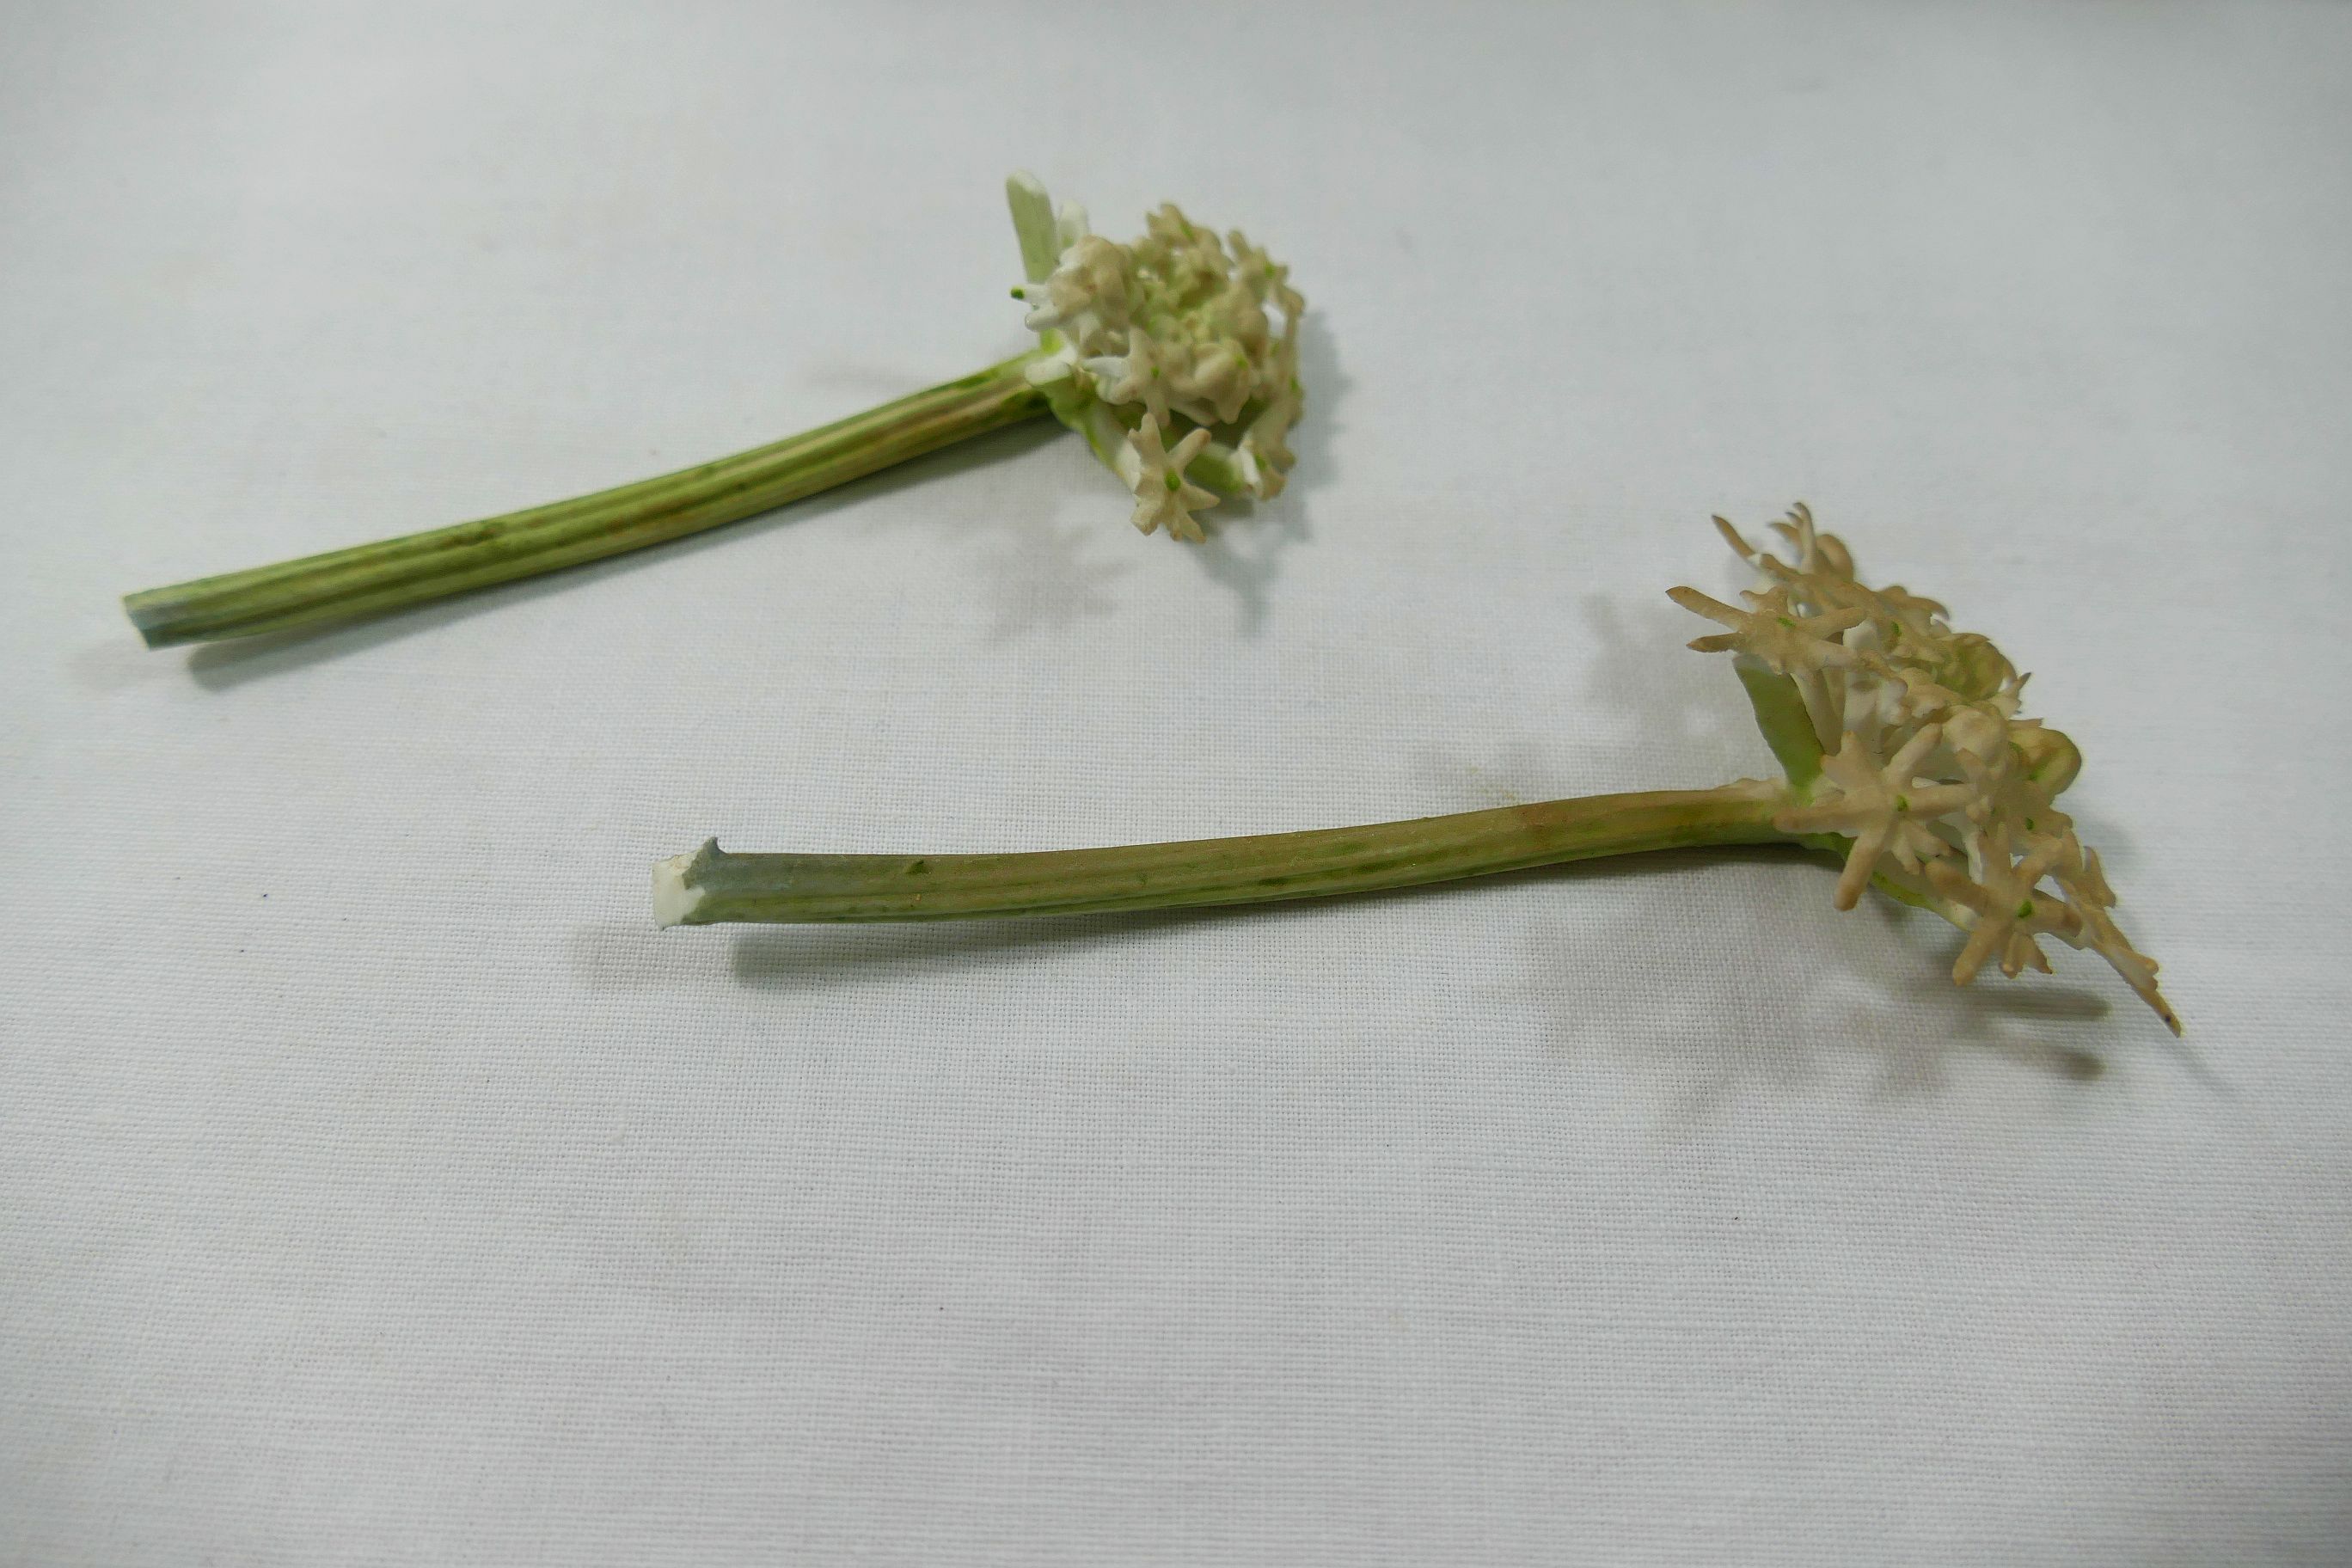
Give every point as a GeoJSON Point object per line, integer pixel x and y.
{"type": "Point", "coordinates": [1905, 742]}
{"type": "Point", "coordinates": [1176, 355]}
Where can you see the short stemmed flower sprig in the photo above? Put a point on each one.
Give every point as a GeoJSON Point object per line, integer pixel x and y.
{"type": "Point", "coordinates": [1903, 750]}
{"type": "Point", "coordinates": [1177, 359]}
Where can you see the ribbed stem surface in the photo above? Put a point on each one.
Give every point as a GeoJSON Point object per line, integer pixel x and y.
{"type": "Point", "coordinates": [394, 573]}
{"type": "Point", "coordinates": [713, 885]}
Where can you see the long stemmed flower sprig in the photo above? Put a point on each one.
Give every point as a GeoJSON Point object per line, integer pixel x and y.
{"type": "Point", "coordinates": [1905, 752]}
{"type": "Point", "coordinates": [1176, 359]}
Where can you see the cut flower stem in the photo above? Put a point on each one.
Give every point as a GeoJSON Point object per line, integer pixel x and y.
{"type": "Point", "coordinates": [394, 573]}
{"type": "Point", "coordinates": [1903, 752]}
{"type": "Point", "coordinates": [712, 886]}
{"type": "Point", "coordinates": [1176, 357]}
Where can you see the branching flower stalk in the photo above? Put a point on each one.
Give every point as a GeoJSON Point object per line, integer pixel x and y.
{"type": "Point", "coordinates": [1176, 358]}
{"type": "Point", "coordinates": [1900, 740]}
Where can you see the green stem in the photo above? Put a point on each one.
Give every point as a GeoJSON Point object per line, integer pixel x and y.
{"type": "Point", "coordinates": [1781, 714]}
{"type": "Point", "coordinates": [394, 573]}
{"type": "Point", "coordinates": [713, 885]}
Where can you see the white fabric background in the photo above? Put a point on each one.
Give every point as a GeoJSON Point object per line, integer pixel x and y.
{"type": "Point", "coordinates": [376, 1186]}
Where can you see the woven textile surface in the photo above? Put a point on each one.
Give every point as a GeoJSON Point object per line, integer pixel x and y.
{"type": "Point", "coordinates": [377, 1185]}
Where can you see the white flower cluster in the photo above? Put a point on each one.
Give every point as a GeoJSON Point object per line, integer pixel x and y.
{"type": "Point", "coordinates": [1176, 356]}
{"type": "Point", "coordinates": [1945, 795]}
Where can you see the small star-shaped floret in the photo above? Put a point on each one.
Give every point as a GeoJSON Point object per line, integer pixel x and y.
{"type": "Point", "coordinates": [2010, 909]}
{"type": "Point", "coordinates": [1264, 277]}
{"type": "Point", "coordinates": [1882, 809]}
{"type": "Point", "coordinates": [1236, 314]}
{"type": "Point", "coordinates": [1774, 631]}
{"type": "Point", "coordinates": [1816, 551]}
{"type": "Point", "coordinates": [1087, 295]}
{"type": "Point", "coordinates": [1216, 381]}
{"type": "Point", "coordinates": [1162, 495]}
{"type": "Point", "coordinates": [1138, 376]}
{"type": "Point", "coordinates": [1171, 230]}
{"type": "Point", "coordinates": [2002, 791]}
{"type": "Point", "coordinates": [2079, 873]}
{"type": "Point", "coordinates": [1971, 665]}
{"type": "Point", "coordinates": [1183, 263]}
{"type": "Point", "coordinates": [1771, 565]}
{"type": "Point", "coordinates": [1917, 617]}
{"type": "Point", "coordinates": [2090, 898]}
{"type": "Point", "coordinates": [1821, 579]}
{"type": "Point", "coordinates": [1890, 696]}
{"type": "Point", "coordinates": [1980, 734]}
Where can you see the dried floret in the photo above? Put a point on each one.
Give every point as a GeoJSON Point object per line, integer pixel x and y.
{"type": "Point", "coordinates": [1162, 495]}
{"type": "Point", "coordinates": [1772, 629]}
{"type": "Point", "coordinates": [1140, 376]}
{"type": "Point", "coordinates": [2004, 896]}
{"type": "Point", "coordinates": [1885, 809]}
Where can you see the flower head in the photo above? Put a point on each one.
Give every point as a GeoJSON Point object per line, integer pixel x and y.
{"type": "Point", "coordinates": [1925, 776]}
{"type": "Point", "coordinates": [1175, 331]}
